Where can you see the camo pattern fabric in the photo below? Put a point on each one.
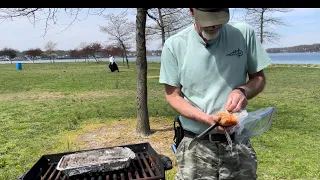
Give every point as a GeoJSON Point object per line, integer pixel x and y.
{"type": "Point", "coordinates": [215, 160]}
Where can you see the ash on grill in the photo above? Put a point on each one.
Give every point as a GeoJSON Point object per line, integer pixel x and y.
{"type": "Point", "coordinates": [146, 165]}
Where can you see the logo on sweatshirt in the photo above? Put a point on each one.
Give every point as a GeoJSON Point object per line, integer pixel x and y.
{"type": "Point", "coordinates": [236, 52]}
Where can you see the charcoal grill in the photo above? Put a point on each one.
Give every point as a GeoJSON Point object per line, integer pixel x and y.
{"type": "Point", "coordinates": [148, 165]}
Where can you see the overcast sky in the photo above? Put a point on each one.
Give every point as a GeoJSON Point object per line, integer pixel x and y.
{"type": "Point", "coordinates": [20, 34]}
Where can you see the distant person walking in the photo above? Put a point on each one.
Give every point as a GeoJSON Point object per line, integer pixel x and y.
{"type": "Point", "coordinates": [112, 64]}
{"type": "Point", "coordinates": [111, 59]}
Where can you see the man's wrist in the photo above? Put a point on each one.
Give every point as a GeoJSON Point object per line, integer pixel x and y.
{"type": "Point", "coordinates": [242, 90]}
{"type": "Point", "coordinates": [204, 119]}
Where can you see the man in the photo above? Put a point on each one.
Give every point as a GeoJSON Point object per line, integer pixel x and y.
{"type": "Point", "coordinates": [111, 59]}
{"type": "Point", "coordinates": [112, 64]}
{"type": "Point", "coordinates": [204, 69]}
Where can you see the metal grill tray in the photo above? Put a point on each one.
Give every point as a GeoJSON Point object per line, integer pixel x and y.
{"type": "Point", "coordinates": [103, 160]}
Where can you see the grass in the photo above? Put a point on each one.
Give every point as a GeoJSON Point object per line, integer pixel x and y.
{"type": "Point", "coordinates": [57, 107]}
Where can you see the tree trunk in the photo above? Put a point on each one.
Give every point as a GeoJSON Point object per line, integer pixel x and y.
{"type": "Point", "coordinates": [122, 58]}
{"type": "Point", "coordinates": [163, 34]}
{"type": "Point", "coordinates": [143, 126]}
{"type": "Point", "coordinates": [261, 28]}
{"type": "Point", "coordinates": [125, 54]}
{"type": "Point", "coordinates": [94, 57]}
{"type": "Point", "coordinates": [50, 54]}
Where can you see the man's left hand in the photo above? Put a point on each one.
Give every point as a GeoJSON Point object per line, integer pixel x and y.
{"type": "Point", "coordinates": [236, 101]}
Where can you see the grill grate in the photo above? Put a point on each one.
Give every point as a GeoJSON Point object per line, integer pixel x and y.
{"type": "Point", "coordinates": [142, 167]}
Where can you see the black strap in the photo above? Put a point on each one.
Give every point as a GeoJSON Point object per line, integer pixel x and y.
{"type": "Point", "coordinates": [178, 131]}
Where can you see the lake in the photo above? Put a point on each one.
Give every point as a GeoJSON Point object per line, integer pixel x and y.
{"type": "Point", "coordinates": [295, 58]}
{"type": "Point", "coordinates": [277, 58]}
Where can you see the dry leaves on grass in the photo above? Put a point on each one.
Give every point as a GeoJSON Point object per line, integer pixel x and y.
{"type": "Point", "coordinates": [122, 132]}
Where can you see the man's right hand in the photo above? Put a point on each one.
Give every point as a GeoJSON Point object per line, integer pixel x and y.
{"type": "Point", "coordinates": [212, 119]}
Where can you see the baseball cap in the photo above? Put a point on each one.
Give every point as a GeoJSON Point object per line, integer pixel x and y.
{"type": "Point", "coordinates": [205, 17]}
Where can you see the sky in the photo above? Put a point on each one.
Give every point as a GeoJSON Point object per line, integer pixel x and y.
{"type": "Point", "coordinates": [21, 34]}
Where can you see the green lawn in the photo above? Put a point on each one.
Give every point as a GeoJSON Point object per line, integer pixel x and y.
{"type": "Point", "coordinates": [43, 103]}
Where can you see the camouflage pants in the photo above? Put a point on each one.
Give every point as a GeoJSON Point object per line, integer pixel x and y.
{"type": "Point", "coordinates": [213, 160]}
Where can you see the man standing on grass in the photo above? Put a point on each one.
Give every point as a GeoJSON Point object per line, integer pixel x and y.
{"type": "Point", "coordinates": [204, 70]}
{"type": "Point", "coordinates": [112, 64]}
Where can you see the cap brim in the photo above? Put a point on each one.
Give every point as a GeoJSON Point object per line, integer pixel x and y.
{"type": "Point", "coordinates": [205, 19]}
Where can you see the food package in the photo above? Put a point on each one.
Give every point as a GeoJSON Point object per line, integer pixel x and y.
{"type": "Point", "coordinates": [251, 124]}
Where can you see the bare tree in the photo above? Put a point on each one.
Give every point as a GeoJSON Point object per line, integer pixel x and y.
{"type": "Point", "coordinates": [82, 45]}
{"type": "Point", "coordinates": [263, 20]}
{"type": "Point", "coordinates": [50, 48]}
{"type": "Point", "coordinates": [120, 30]}
{"type": "Point", "coordinates": [168, 21]}
{"type": "Point", "coordinates": [75, 54]}
{"type": "Point", "coordinates": [143, 126]}
{"type": "Point", "coordinates": [33, 53]}
{"type": "Point", "coordinates": [113, 50]}
{"type": "Point", "coordinates": [9, 53]}
{"type": "Point", "coordinates": [93, 49]}
{"type": "Point", "coordinates": [82, 50]}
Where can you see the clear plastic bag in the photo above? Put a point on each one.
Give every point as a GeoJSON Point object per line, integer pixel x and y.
{"type": "Point", "coordinates": [253, 123]}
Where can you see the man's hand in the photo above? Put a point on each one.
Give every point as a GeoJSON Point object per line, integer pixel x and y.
{"type": "Point", "coordinates": [212, 119]}
{"type": "Point", "coordinates": [236, 101]}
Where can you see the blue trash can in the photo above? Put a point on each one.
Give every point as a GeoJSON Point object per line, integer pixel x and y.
{"type": "Point", "coordinates": [18, 66]}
